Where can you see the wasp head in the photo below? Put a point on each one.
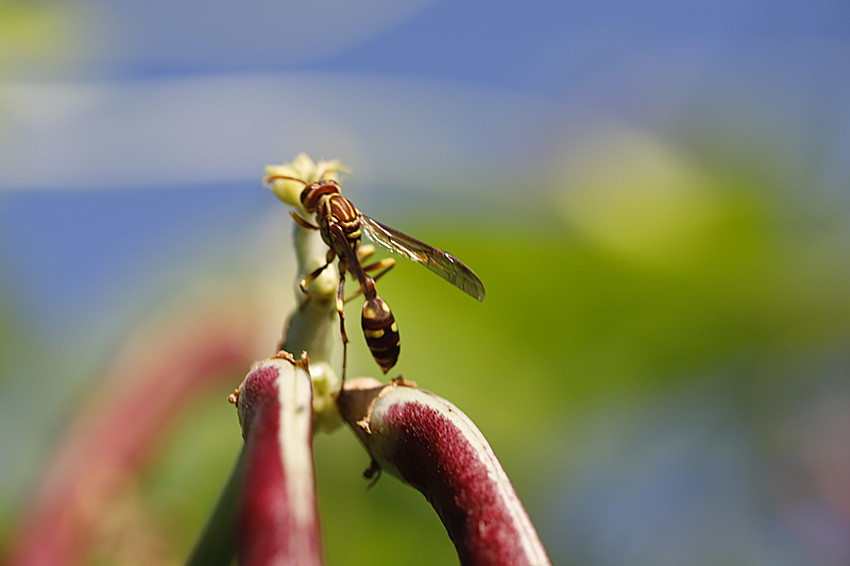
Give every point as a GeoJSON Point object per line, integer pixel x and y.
{"type": "Point", "coordinates": [313, 193]}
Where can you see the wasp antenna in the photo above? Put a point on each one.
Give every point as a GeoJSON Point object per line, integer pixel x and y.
{"type": "Point", "coordinates": [328, 171]}
{"type": "Point", "coordinates": [272, 178]}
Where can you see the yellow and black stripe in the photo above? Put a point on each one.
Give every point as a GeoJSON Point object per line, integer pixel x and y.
{"type": "Point", "coordinates": [381, 332]}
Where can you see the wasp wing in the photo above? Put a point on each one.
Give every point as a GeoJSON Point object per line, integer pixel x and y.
{"type": "Point", "coordinates": [442, 263]}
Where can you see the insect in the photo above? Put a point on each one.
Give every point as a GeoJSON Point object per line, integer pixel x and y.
{"type": "Point", "coordinates": [341, 226]}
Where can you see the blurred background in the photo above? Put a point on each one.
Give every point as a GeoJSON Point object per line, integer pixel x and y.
{"type": "Point", "coordinates": [655, 194]}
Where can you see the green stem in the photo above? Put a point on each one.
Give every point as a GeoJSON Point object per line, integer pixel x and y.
{"type": "Point", "coordinates": [217, 543]}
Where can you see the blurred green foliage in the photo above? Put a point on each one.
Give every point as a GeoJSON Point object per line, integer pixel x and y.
{"type": "Point", "coordinates": [612, 293]}
{"type": "Point", "coordinates": [35, 34]}
{"type": "Point", "coordinates": [618, 286]}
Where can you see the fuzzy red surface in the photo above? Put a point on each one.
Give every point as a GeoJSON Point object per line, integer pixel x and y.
{"type": "Point", "coordinates": [435, 457]}
{"type": "Point", "coordinates": [268, 532]}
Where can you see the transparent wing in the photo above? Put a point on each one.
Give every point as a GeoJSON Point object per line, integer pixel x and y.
{"type": "Point", "coordinates": [442, 263]}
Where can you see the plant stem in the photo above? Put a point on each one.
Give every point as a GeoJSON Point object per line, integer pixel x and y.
{"type": "Point", "coordinates": [428, 443]}
{"type": "Point", "coordinates": [217, 543]}
{"type": "Point", "coordinates": [277, 517]}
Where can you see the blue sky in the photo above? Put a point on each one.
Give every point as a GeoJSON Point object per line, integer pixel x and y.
{"type": "Point", "coordinates": [173, 109]}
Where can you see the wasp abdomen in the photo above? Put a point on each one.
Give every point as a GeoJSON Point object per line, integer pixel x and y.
{"type": "Point", "coordinates": [381, 332]}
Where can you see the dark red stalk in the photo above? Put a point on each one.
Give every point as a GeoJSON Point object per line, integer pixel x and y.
{"type": "Point", "coordinates": [430, 444]}
{"type": "Point", "coordinates": [277, 517]}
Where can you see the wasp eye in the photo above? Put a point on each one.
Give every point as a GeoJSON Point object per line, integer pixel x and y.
{"type": "Point", "coordinates": [305, 193]}
{"type": "Point", "coordinates": [310, 196]}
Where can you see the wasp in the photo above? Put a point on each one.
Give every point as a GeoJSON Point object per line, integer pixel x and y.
{"type": "Point", "coordinates": [341, 226]}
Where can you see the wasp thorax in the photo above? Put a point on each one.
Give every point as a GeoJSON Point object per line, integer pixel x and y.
{"type": "Point", "coordinates": [381, 332]}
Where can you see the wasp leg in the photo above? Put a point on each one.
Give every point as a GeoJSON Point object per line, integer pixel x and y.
{"type": "Point", "coordinates": [312, 277]}
{"type": "Point", "coordinates": [364, 251]}
{"type": "Point", "coordinates": [384, 265]}
{"type": "Point", "coordinates": [340, 293]}
{"type": "Point", "coordinates": [367, 251]}
{"type": "Point", "coordinates": [301, 221]}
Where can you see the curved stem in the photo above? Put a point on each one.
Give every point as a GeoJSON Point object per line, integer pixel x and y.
{"type": "Point", "coordinates": [277, 518]}
{"type": "Point", "coordinates": [427, 442]}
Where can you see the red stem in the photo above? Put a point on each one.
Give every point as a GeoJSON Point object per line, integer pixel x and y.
{"type": "Point", "coordinates": [277, 516]}
{"type": "Point", "coordinates": [428, 443]}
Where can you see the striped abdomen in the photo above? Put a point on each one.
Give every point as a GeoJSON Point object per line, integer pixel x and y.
{"type": "Point", "coordinates": [381, 332]}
